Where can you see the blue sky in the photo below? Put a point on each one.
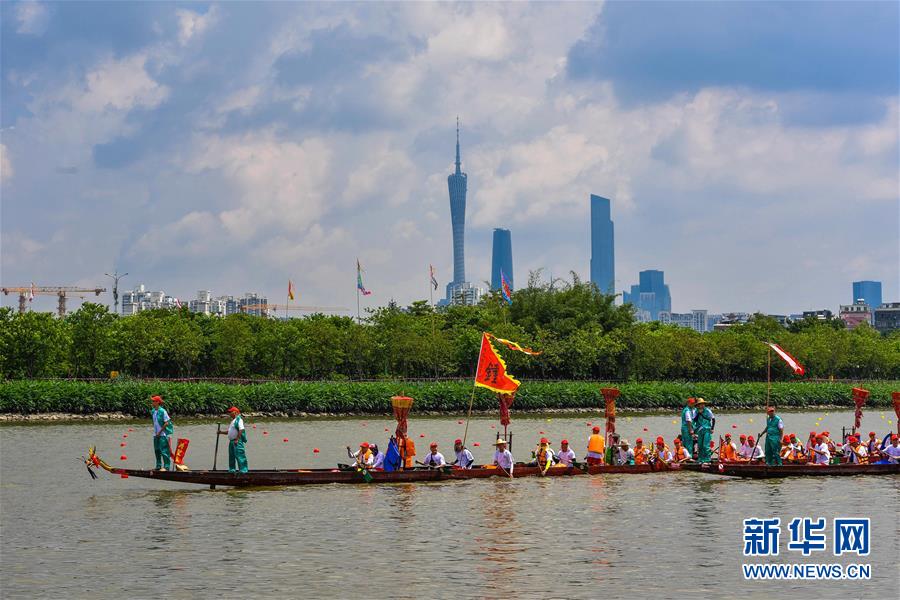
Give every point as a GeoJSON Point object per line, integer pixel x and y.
{"type": "Point", "coordinates": [750, 149]}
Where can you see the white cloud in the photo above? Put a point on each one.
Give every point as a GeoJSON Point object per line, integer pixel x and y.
{"type": "Point", "coordinates": [192, 24]}
{"type": "Point", "coordinates": [118, 84]}
{"type": "Point", "coordinates": [6, 168]}
{"type": "Point", "coordinates": [32, 17]}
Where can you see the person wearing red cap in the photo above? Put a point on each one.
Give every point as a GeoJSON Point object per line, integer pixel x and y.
{"type": "Point", "coordinates": [596, 448]}
{"type": "Point", "coordinates": [661, 452]}
{"type": "Point", "coordinates": [566, 455]}
{"type": "Point", "coordinates": [641, 452]}
{"type": "Point", "coordinates": [688, 416]}
{"type": "Point", "coordinates": [873, 447]}
{"type": "Point", "coordinates": [811, 446]}
{"type": "Point", "coordinates": [854, 452]}
{"type": "Point", "coordinates": [727, 450]}
{"type": "Point", "coordinates": [821, 452]}
{"type": "Point", "coordinates": [162, 429]}
{"type": "Point", "coordinates": [543, 456]}
{"type": "Point", "coordinates": [745, 450]}
{"type": "Point", "coordinates": [464, 458]}
{"type": "Point", "coordinates": [363, 459]}
{"type": "Point", "coordinates": [434, 459]}
{"type": "Point", "coordinates": [774, 429]}
{"type": "Point", "coordinates": [237, 438]}
{"type": "Point", "coordinates": [892, 452]}
{"type": "Point", "coordinates": [756, 453]}
{"type": "Point", "coordinates": [680, 454]}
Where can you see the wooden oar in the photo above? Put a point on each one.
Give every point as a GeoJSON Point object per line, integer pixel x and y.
{"type": "Point", "coordinates": [212, 486]}
{"type": "Point", "coordinates": [756, 445]}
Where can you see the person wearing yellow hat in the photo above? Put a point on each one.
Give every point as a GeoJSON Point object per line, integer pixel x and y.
{"type": "Point", "coordinates": [237, 438]}
{"type": "Point", "coordinates": [704, 425]}
{"type": "Point", "coordinates": [596, 448]}
{"type": "Point", "coordinates": [162, 429]}
{"type": "Point", "coordinates": [774, 432]}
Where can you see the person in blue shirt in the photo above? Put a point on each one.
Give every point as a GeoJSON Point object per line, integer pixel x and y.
{"type": "Point", "coordinates": [162, 429]}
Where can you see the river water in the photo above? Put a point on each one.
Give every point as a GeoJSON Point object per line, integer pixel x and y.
{"type": "Point", "coordinates": [615, 536]}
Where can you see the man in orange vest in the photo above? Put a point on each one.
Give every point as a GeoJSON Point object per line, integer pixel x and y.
{"type": "Point", "coordinates": [681, 453]}
{"type": "Point", "coordinates": [727, 453]}
{"type": "Point", "coordinates": [596, 447]}
{"type": "Point", "coordinates": [641, 452]}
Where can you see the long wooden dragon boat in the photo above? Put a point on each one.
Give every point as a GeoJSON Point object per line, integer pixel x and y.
{"type": "Point", "coordinates": [284, 477]}
{"type": "Point", "coordinates": [762, 471]}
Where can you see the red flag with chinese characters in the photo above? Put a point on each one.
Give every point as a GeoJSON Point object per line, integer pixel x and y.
{"type": "Point", "coordinates": [506, 401]}
{"type": "Point", "coordinates": [859, 398]}
{"type": "Point", "coordinates": [491, 372]}
{"type": "Point", "coordinates": [180, 451]}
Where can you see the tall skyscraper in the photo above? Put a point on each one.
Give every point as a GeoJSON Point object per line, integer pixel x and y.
{"type": "Point", "coordinates": [603, 259]}
{"type": "Point", "coordinates": [650, 297]}
{"type": "Point", "coordinates": [868, 291]}
{"type": "Point", "coordinates": [502, 258]}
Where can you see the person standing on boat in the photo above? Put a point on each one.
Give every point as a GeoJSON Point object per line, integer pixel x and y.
{"type": "Point", "coordinates": [566, 455]}
{"type": "Point", "coordinates": [464, 458]}
{"type": "Point", "coordinates": [688, 414]}
{"type": "Point", "coordinates": [774, 429]}
{"type": "Point", "coordinates": [434, 459]}
{"type": "Point", "coordinates": [237, 438]}
{"type": "Point", "coordinates": [892, 452]}
{"type": "Point", "coordinates": [503, 458]}
{"type": "Point", "coordinates": [162, 429]}
{"type": "Point", "coordinates": [704, 425]}
{"type": "Point", "coordinates": [596, 448]}
{"type": "Point", "coordinates": [377, 457]}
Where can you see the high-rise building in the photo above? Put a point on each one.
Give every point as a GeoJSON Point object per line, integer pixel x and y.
{"type": "Point", "coordinates": [603, 259]}
{"type": "Point", "coordinates": [650, 297]}
{"type": "Point", "coordinates": [867, 291]}
{"type": "Point", "coordinates": [501, 258]}
{"type": "Point", "coordinates": [887, 317]}
{"type": "Point", "coordinates": [140, 298]}
{"type": "Point", "coordinates": [459, 291]}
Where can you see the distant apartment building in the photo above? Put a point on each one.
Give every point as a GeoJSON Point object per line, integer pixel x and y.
{"type": "Point", "coordinates": [727, 320]}
{"type": "Point", "coordinates": [887, 317]}
{"type": "Point", "coordinates": [697, 319]}
{"type": "Point", "coordinates": [140, 298]}
{"type": "Point", "coordinates": [854, 315]}
{"type": "Point", "coordinates": [867, 291]}
{"type": "Point", "coordinates": [822, 314]}
{"type": "Point", "coordinates": [650, 297]}
{"type": "Point", "coordinates": [464, 293]}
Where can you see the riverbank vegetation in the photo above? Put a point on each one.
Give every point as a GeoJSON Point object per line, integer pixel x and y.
{"type": "Point", "coordinates": [582, 334]}
{"type": "Point", "coordinates": [132, 397]}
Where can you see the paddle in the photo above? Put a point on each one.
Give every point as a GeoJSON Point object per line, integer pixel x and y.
{"type": "Point", "coordinates": [212, 486]}
{"type": "Point", "coordinates": [756, 445]}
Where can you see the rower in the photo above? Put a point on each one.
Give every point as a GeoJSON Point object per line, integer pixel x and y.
{"type": "Point", "coordinates": [543, 457]}
{"type": "Point", "coordinates": [661, 452]}
{"type": "Point", "coordinates": [756, 452]}
{"type": "Point", "coordinates": [774, 427]}
{"type": "Point", "coordinates": [832, 446]}
{"type": "Point", "coordinates": [641, 452]}
{"type": "Point", "coordinates": [464, 458]}
{"type": "Point", "coordinates": [237, 437]}
{"type": "Point", "coordinates": [892, 452]}
{"type": "Point", "coordinates": [796, 453]}
{"type": "Point", "coordinates": [363, 459]}
{"type": "Point", "coordinates": [811, 445]}
{"type": "Point", "coordinates": [596, 448]}
{"type": "Point", "coordinates": [681, 454]}
{"type": "Point", "coordinates": [873, 447]}
{"type": "Point", "coordinates": [855, 452]}
{"type": "Point", "coordinates": [688, 414]}
{"type": "Point", "coordinates": [566, 455]}
{"type": "Point", "coordinates": [625, 455]}
{"type": "Point", "coordinates": [821, 452]}
{"type": "Point", "coordinates": [434, 459]}
{"type": "Point", "coordinates": [728, 451]}
{"type": "Point", "coordinates": [704, 425]}
{"type": "Point", "coordinates": [162, 429]}
{"type": "Point", "coordinates": [503, 458]}
{"type": "Point", "coordinates": [785, 451]}
{"type": "Point", "coordinates": [377, 457]}
{"type": "Point", "coordinates": [744, 451]}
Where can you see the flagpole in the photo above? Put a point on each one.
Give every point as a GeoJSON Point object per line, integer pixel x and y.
{"type": "Point", "coordinates": [433, 344]}
{"type": "Point", "coordinates": [768, 377]}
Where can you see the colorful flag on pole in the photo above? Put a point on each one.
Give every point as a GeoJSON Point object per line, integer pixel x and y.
{"type": "Point", "coordinates": [290, 289]}
{"type": "Point", "coordinates": [505, 289]}
{"type": "Point", "coordinates": [433, 278]}
{"type": "Point", "coordinates": [491, 372]}
{"type": "Point", "coordinates": [177, 303]}
{"type": "Point", "coordinates": [792, 362]}
{"type": "Point", "coordinates": [514, 346]}
{"type": "Point", "coordinates": [359, 283]}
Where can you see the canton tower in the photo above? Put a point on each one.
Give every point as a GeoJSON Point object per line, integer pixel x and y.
{"type": "Point", "coordinates": [456, 184]}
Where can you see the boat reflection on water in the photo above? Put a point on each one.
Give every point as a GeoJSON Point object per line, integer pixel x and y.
{"type": "Point", "coordinates": [499, 544]}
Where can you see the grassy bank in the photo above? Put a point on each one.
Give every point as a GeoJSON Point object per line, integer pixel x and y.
{"type": "Point", "coordinates": [130, 397]}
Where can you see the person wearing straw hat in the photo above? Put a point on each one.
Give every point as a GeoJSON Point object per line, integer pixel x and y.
{"type": "Point", "coordinates": [625, 455]}
{"type": "Point", "coordinates": [162, 429]}
{"type": "Point", "coordinates": [704, 425]}
{"type": "Point", "coordinates": [237, 437]}
{"type": "Point", "coordinates": [503, 458]}
{"type": "Point", "coordinates": [774, 431]}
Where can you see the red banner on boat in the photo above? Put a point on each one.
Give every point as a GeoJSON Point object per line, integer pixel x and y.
{"type": "Point", "coordinates": [792, 362]}
{"type": "Point", "coordinates": [180, 451]}
{"type": "Point", "coordinates": [610, 395]}
{"type": "Point", "coordinates": [401, 406]}
{"type": "Point", "coordinates": [491, 372]}
{"type": "Point", "coordinates": [859, 398]}
{"type": "Point", "coordinates": [506, 401]}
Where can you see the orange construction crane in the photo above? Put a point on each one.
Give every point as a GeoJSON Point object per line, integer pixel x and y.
{"type": "Point", "coordinates": [26, 292]}
{"type": "Point", "coordinates": [265, 309]}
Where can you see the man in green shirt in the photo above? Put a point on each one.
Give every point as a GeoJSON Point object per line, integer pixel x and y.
{"type": "Point", "coordinates": [237, 437]}
{"type": "Point", "coordinates": [774, 427]}
{"type": "Point", "coordinates": [162, 429]}
{"type": "Point", "coordinates": [704, 424]}
{"type": "Point", "coordinates": [688, 414]}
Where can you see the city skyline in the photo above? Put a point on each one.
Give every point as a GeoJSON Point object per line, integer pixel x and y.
{"type": "Point", "coordinates": [132, 147]}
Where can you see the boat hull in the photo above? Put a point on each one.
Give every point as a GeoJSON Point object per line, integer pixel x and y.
{"type": "Point", "coordinates": [761, 471]}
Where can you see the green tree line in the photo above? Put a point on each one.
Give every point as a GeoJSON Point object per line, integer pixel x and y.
{"type": "Point", "coordinates": [581, 333]}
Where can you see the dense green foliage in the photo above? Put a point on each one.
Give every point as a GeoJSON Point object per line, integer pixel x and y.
{"type": "Point", "coordinates": [582, 334]}
{"type": "Point", "coordinates": [130, 397]}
